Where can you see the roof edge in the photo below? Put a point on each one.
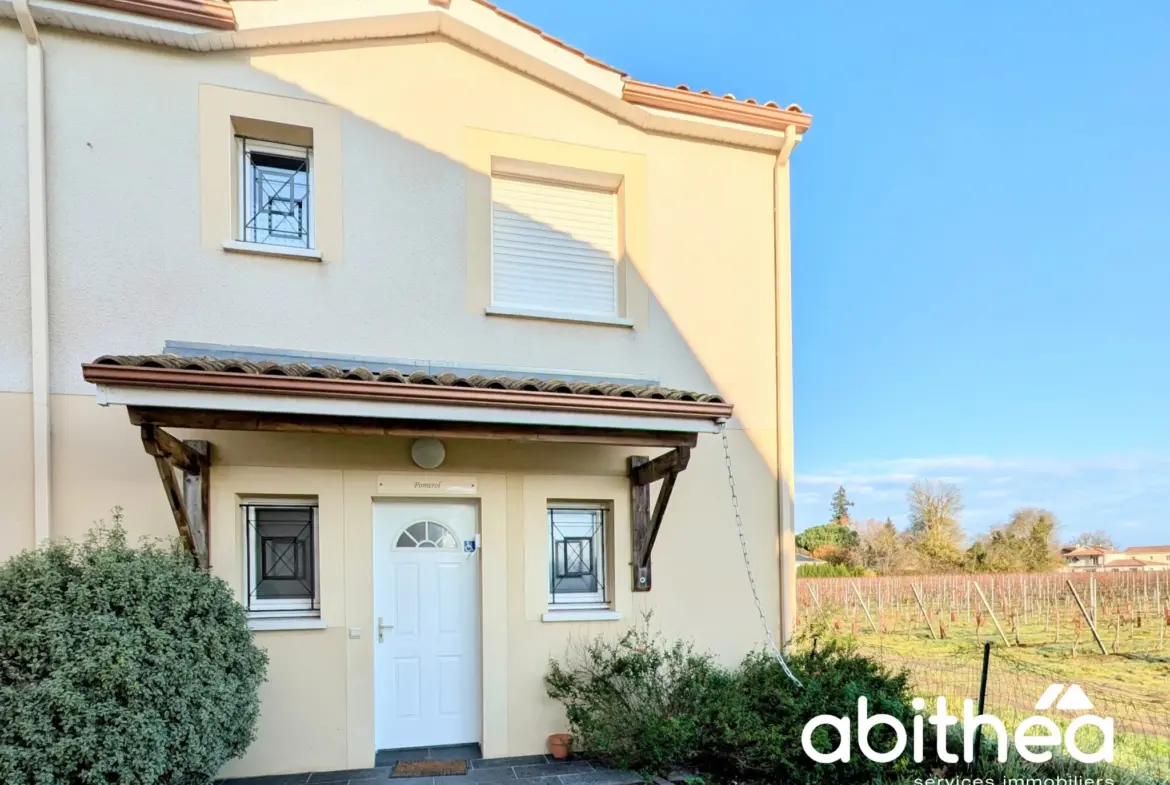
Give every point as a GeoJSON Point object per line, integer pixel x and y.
{"type": "Point", "coordinates": [650, 107]}
{"type": "Point", "coordinates": [704, 104]}
{"type": "Point", "coordinates": [222, 381]}
{"type": "Point", "coordinates": [216, 14]}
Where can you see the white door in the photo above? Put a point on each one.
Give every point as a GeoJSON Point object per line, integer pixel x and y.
{"type": "Point", "coordinates": [426, 625]}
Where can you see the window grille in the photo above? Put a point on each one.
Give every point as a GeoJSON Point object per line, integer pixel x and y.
{"type": "Point", "coordinates": [577, 572]}
{"type": "Point", "coordinates": [281, 558]}
{"type": "Point", "coordinates": [275, 198]}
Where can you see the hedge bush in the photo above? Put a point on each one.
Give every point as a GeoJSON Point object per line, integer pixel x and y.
{"type": "Point", "coordinates": [121, 664]}
{"type": "Point", "coordinates": [656, 707]}
{"type": "Point", "coordinates": [830, 571]}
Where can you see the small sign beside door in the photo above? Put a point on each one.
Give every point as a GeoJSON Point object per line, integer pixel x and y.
{"type": "Point", "coordinates": [414, 484]}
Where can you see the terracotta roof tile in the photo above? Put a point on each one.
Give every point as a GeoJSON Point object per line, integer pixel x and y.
{"type": "Point", "coordinates": [1131, 563]}
{"type": "Point", "coordinates": [1149, 549]}
{"type": "Point", "coordinates": [704, 103]}
{"type": "Point", "coordinates": [421, 378]}
{"type": "Point", "coordinates": [207, 13]}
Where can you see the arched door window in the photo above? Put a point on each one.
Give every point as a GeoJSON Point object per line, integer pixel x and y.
{"type": "Point", "coordinates": [427, 534]}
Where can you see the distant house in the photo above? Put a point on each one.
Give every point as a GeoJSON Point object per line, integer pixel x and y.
{"type": "Point", "coordinates": [1085, 558]}
{"type": "Point", "coordinates": [804, 558]}
{"type": "Point", "coordinates": [1137, 558]}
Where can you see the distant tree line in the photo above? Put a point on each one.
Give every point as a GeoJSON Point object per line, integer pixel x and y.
{"type": "Point", "coordinates": [934, 540]}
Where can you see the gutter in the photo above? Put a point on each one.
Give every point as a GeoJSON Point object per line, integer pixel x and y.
{"type": "Point", "coordinates": [38, 260]}
{"type": "Point", "coordinates": [785, 451]}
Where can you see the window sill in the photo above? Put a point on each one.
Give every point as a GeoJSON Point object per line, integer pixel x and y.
{"type": "Point", "coordinates": [557, 316]}
{"type": "Point", "coordinates": [596, 614]}
{"type": "Point", "coordinates": [286, 623]}
{"type": "Point", "coordinates": [261, 249]}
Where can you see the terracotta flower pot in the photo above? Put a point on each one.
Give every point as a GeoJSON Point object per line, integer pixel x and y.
{"type": "Point", "coordinates": [560, 745]}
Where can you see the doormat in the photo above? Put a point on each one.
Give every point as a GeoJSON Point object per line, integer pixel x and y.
{"type": "Point", "coordinates": [428, 768]}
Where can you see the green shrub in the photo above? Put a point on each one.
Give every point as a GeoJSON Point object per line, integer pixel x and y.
{"type": "Point", "coordinates": [833, 679]}
{"type": "Point", "coordinates": [639, 703]}
{"type": "Point", "coordinates": [830, 571]}
{"type": "Point", "coordinates": [830, 534]}
{"type": "Point", "coordinates": [121, 664]}
{"type": "Point", "coordinates": [652, 706]}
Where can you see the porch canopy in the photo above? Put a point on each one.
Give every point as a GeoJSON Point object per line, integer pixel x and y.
{"type": "Point", "coordinates": [206, 393]}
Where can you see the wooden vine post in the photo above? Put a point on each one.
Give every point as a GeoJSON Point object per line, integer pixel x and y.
{"type": "Point", "coordinates": [1085, 613]}
{"type": "Point", "coordinates": [991, 613]}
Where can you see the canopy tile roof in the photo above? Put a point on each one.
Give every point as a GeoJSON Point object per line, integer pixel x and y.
{"type": "Point", "coordinates": [420, 378]}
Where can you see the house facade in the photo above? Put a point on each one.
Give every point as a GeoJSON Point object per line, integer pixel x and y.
{"type": "Point", "coordinates": [1136, 558]}
{"type": "Point", "coordinates": [423, 329]}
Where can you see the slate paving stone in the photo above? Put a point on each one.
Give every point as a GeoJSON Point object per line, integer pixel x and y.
{"type": "Point", "coordinates": [518, 760]}
{"type": "Point", "coordinates": [553, 769]}
{"type": "Point", "coordinates": [459, 752]}
{"type": "Point", "coordinates": [275, 779]}
{"type": "Point", "coordinates": [350, 775]}
{"type": "Point", "coordinates": [479, 775]}
{"type": "Point", "coordinates": [603, 778]}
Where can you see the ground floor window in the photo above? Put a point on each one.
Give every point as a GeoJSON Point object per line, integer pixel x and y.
{"type": "Point", "coordinates": [577, 557]}
{"type": "Point", "coordinates": [282, 558]}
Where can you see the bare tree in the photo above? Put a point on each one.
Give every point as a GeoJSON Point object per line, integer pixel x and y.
{"type": "Point", "coordinates": [935, 527]}
{"type": "Point", "coordinates": [1094, 539]}
{"type": "Point", "coordinates": [882, 549]}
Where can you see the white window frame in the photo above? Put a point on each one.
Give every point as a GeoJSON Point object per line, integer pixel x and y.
{"type": "Point", "coordinates": [597, 600]}
{"type": "Point", "coordinates": [268, 609]}
{"type": "Point", "coordinates": [505, 309]}
{"type": "Point", "coordinates": [246, 145]}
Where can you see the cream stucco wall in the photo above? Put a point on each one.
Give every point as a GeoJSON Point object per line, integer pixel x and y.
{"type": "Point", "coordinates": [135, 261]}
{"type": "Point", "coordinates": [317, 705]}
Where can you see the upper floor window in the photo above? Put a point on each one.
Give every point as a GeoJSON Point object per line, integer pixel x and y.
{"type": "Point", "coordinates": [276, 182]}
{"type": "Point", "coordinates": [554, 248]}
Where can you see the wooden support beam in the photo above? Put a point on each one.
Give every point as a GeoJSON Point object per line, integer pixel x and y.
{"type": "Point", "coordinates": [641, 522]}
{"type": "Point", "coordinates": [161, 444]}
{"type": "Point", "coordinates": [646, 524]}
{"type": "Point", "coordinates": [661, 467]}
{"type": "Point", "coordinates": [189, 500]}
{"type": "Point", "coordinates": [370, 426]}
{"type": "Point", "coordinates": [197, 502]}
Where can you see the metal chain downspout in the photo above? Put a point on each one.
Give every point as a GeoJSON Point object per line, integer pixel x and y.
{"type": "Point", "coordinates": [747, 562]}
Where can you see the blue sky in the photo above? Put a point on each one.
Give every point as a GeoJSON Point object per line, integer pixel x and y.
{"type": "Point", "coordinates": [981, 221]}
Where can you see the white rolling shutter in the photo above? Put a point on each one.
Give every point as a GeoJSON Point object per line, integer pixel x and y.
{"type": "Point", "coordinates": [554, 248]}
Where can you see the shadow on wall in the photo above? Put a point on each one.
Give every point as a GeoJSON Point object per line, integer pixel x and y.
{"type": "Point", "coordinates": [414, 278]}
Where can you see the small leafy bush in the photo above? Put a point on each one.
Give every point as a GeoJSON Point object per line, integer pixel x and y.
{"type": "Point", "coordinates": [640, 703]}
{"type": "Point", "coordinates": [121, 664]}
{"type": "Point", "coordinates": [649, 705]}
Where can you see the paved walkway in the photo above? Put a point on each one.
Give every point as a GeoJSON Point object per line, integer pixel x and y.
{"type": "Point", "coordinates": [524, 770]}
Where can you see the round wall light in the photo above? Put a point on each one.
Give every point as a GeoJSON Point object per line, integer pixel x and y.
{"type": "Point", "coordinates": [428, 453]}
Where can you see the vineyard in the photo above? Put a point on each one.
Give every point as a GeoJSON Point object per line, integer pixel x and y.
{"type": "Point", "coordinates": [1105, 632]}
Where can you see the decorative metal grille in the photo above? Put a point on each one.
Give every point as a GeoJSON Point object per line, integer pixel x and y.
{"type": "Point", "coordinates": [282, 559]}
{"type": "Point", "coordinates": [276, 203]}
{"type": "Point", "coordinates": [577, 555]}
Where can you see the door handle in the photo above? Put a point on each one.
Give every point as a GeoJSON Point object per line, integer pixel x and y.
{"type": "Point", "coordinates": [381, 628]}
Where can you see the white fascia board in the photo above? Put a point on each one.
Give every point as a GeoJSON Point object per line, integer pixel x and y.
{"type": "Point", "coordinates": [347, 407]}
